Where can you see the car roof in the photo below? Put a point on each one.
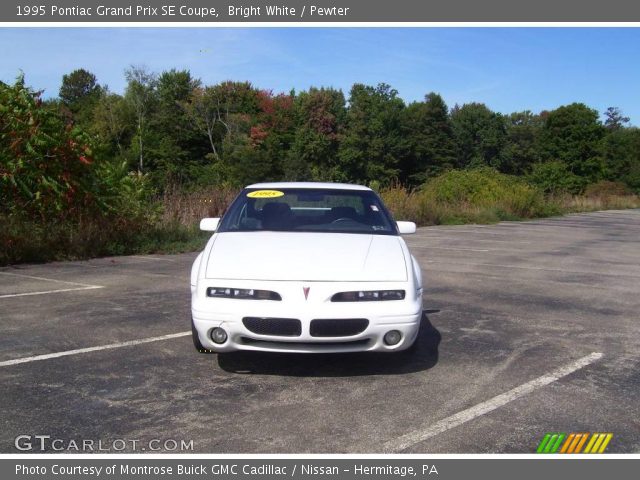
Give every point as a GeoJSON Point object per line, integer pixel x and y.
{"type": "Point", "coordinates": [325, 185]}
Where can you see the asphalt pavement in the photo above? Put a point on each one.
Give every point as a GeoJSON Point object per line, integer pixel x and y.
{"type": "Point", "coordinates": [530, 328]}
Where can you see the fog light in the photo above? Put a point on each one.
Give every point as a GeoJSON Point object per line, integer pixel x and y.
{"type": "Point", "coordinates": [392, 337]}
{"type": "Point", "coordinates": [218, 335]}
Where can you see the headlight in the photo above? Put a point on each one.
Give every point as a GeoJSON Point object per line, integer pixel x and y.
{"type": "Point", "coordinates": [242, 293]}
{"type": "Point", "coordinates": [368, 296]}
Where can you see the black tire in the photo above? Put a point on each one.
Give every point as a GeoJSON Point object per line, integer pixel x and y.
{"type": "Point", "coordinates": [196, 340]}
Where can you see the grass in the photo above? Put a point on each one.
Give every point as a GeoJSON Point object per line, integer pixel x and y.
{"type": "Point", "coordinates": [27, 241]}
{"type": "Point", "coordinates": [576, 203]}
{"type": "Point", "coordinates": [475, 196]}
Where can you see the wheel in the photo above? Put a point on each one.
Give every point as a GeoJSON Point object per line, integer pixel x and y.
{"type": "Point", "coordinates": [196, 340]}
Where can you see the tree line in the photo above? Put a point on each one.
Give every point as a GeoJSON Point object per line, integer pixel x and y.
{"type": "Point", "coordinates": [179, 131]}
{"type": "Point", "coordinates": [93, 150]}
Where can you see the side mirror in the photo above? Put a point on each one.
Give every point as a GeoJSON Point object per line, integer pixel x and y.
{"type": "Point", "coordinates": [209, 224]}
{"type": "Point", "coordinates": [406, 228]}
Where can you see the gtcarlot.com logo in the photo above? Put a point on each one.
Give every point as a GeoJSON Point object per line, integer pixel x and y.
{"type": "Point", "coordinates": [574, 443]}
{"type": "Point", "coordinates": [43, 443]}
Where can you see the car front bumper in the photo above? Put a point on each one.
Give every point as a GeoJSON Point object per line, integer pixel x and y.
{"type": "Point", "coordinates": [381, 317]}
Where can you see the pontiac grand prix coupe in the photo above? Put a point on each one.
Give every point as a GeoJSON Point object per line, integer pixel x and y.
{"type": "Point", "coordinates": [306, 267]}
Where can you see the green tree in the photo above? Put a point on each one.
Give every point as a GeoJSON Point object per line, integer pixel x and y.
{"type": "Point", "coordinates": [480, 135]}
{"type": "Point", "coordinates": [218, 111]}
{"type": "Point", "coordinates": [429, 145]}
{"type": "Point", "coordinates": [205, 113]}
{"type": "Point", "coordinates": [621, 155]}
{"type": "Point", "coordinates": [632, 177]}
{"type": "Point", "coordinates": [112, 123]}
{"type": "Point", "coordinates": [178, 147]}
{"type": "Point", "coordinates": [272, 132]}
{"type": "Point", "coordinates": [319, 116]}
{"type": "Point", "coordinates": [572, 134]}
{"type": "Point", "coordinates": [521, 149]}
{"type": "Point", "coordinates": [141, 97]}
{"type": "Point", "coordinates": [555, 177]}
{"type": "Point", "coordinates": [79, 88]}
{"type": "Point", "coordinates": [370, 149]}
{"type": "Point", "coordinates": [615, 119]}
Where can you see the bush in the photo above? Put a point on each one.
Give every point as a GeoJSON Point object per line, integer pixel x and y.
{"type": "Point", "coordinates": [484, 190]}
{"type": "Point", "coordinates": [59, 201]}
{"type": "Point", "coordinates": [555, 178]}
{"type": "Point", "coordinates": [46, 165]}
{"type": "Point", "coordinates": [463, 196]}
{"type": "Point", "coordinates": [124, 194]}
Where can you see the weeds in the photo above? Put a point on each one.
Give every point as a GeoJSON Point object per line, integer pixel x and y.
{"type": "Point", "coordinates": [188, 208]}
{"type": "Point", "coordinates": [456, 197]}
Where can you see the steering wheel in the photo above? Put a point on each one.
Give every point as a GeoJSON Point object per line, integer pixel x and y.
{"type": "Point", "coordinates": [343, 219]}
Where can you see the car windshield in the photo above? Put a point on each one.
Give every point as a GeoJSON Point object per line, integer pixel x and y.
{"type": "Point", "coordinates": [308, 210]}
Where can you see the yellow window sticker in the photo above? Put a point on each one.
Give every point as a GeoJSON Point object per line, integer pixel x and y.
{"type": "Point", "coordinates": [265, 194]}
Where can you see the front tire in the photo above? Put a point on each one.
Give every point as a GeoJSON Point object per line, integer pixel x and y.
{"type": "Point", "coordinates": [196, 340]}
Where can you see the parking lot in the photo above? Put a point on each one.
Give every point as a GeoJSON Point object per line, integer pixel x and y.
{"type": "Point", "coordinates": [530, 327]}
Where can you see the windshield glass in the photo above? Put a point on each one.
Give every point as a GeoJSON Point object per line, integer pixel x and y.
{"type": "Point", "coordinates": [308, 210]}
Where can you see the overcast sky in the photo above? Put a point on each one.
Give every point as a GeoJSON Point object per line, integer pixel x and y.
{"type": "Point", "coordinates": [509, 69]}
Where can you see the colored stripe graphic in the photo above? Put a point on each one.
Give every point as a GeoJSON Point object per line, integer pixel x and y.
{"type": "Point", "coordinates": [574, 442]}
{"type": "Point", "coordinates": [551, 442]}
{"type": "Point", "coordinates": [583, 439]}
{"type": "Point", "coordinates": [554, 449]}
{"type": "Point", "coordinates": [579, 438]}
{"type": "Point", "coordinates": [592, 440]}
{"type": "Point", "coordinates": [607, 439]}
{"type": "Point", "coordinates": [543, 443]}
{"type": "Point", "coordinates": [567, 442]}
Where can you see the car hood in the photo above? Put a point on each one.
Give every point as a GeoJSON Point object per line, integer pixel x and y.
{"type": "Point", "coordinates": [306, 257]}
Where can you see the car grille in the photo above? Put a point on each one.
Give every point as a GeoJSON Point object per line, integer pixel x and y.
{"type": "Point", "coordinates": [293, 345]}
{"type": "Point", "coordinates": [280, 327]}
{"type": "Point", "coordinates": [338, 327]}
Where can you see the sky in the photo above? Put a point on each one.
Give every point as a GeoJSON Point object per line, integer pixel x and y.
{"type": "Point", "coordinates": [508, 69]}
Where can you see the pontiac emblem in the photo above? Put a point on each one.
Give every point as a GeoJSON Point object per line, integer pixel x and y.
{"type": "Point", "coordinates": [306, 292]}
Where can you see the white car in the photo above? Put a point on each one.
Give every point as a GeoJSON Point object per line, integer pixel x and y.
{"type": "Point", "coordinates": [306, 267]}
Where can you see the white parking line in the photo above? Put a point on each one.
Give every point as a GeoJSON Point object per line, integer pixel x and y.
{"type": "Point", "coordinates": [46, 279]}
{"type": "Point", "coordinates": [405, 441]}
{"type": "Point", "coordinates": [10, 295]}
{"type": "Point", "coordinates": [78, 286]}
{"type": "Point", "coordinates": [66, 353]}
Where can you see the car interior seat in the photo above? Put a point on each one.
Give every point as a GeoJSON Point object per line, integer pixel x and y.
{"type": "Point", "coordinates": [276, 216]}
